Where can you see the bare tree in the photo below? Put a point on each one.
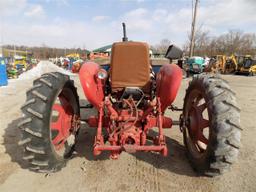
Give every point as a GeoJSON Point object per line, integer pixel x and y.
{"type": "Point", "coordinates": [202, 42]}
{"type": "Point", "coordinates": [233, 42]}
{"type": "Point", "coordinates": [162, 47]}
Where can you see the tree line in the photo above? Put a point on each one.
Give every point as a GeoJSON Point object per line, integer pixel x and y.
{"type": "Point", "coordinates": [232, 42]}
{"type": "Point", "coordinates": [45, 52]}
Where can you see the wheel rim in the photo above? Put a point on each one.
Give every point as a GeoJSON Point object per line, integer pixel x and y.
{"type": "Point", "coordinates": [197, 122]}
{"type": "Point", "coordinates": [62, 125]}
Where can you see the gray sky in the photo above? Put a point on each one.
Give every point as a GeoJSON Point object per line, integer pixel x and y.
{"type": "Point", "coordinates": [94, 23]}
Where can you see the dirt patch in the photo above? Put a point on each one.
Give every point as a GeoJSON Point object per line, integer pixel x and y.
{"type": "Point", "coordinates": [131, 172]}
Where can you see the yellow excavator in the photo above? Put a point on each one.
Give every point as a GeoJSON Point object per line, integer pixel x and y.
{"type": "Point", "coordinates": [231, 65]}
{"type": "Point", "coordinates": [215, 64]}
{"type": "Point", "coordinates": [223, 64]}
{"type": "Point", "coordinates": [247, 65]}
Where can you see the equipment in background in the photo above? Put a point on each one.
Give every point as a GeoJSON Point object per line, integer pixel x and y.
{"type": "Point", "coordinates": [71, 59]}
{"type": "Point", "coordinates": [230, 65]}
{"type": "Point", "coordinates": [247, 65]}
{"type": "Point", "coordinates": [222, 64]}
{"type": "Point", "coordinates": [195, 65]}
{"type": "Point", "coordinates": [77, 65]}
{"type": "Point", "coordinates": [20, 63]}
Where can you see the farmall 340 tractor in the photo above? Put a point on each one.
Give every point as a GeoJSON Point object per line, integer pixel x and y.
{"type": "Point", "coordinates": [130, 100]}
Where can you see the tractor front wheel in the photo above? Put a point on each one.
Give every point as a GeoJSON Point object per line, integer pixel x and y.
{"type": "Point", "coordinates": [51, 121]}
{"type": "Point", "coordinates": [211, 125]}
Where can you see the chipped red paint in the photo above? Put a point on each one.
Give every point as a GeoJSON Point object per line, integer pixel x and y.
{"type": "Point", "coordinates": [126, 130]}
{"type": "Point", "coordinates": [168, 82]}
{"type": "Point", "coordinates": [63, 124]}
{"type": "Point", "coordinates": [92, 86]}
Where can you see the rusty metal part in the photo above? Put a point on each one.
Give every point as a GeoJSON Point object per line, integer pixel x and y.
{"type": "Point", "coordinates": [128, 128]}
{"type": "Point", "coordinates": [195, 120]}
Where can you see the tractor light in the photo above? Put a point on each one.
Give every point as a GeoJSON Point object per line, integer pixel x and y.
{"type": "Point", "coordinates": [102, 74]}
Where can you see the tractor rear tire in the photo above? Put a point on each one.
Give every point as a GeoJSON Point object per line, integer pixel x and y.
{"type": "Point", "coordinates": [36, 133]}
{"type": "Point", "coordinates": [224, 129]}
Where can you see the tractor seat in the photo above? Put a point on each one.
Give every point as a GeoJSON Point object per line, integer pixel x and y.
{"type": "Point", "coordinates": [130, 66]}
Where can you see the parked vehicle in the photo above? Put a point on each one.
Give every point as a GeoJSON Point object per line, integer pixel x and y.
{"type": "Point", "coordinates": [196, 65]}
{"type": "Point", "coordinates": [20, 62]}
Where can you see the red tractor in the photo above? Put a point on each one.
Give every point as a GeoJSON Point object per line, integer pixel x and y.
{"type": "Point", "coordinates": [131, 100]}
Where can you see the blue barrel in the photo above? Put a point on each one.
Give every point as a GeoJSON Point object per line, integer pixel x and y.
{"type": "Point", "coordinates": [156, 68]}
{"type": "Point", "coordinates": [3, 73]}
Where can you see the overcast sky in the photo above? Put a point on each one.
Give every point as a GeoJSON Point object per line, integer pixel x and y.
{"type": "Point", "coordinates": [94, 23]}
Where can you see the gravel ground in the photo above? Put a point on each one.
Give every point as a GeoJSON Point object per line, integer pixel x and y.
{"type": "Point", "coordinates": [131, 172]}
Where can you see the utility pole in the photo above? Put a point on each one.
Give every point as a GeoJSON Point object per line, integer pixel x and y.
{"type": "Point", "coordinates": [14, 48]}
{"type": "Point", "coordinates": [192, 42]}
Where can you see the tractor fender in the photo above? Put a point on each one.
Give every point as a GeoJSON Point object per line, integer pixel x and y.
{"type": "Point", "coordinates": [168, 82]}
{"type": "Point", "coordinates": [93, 89]}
